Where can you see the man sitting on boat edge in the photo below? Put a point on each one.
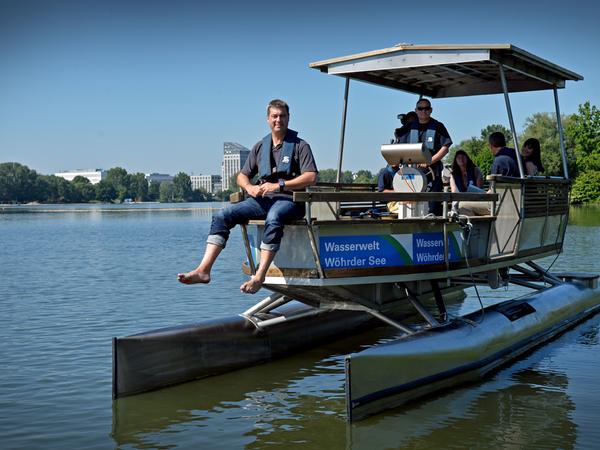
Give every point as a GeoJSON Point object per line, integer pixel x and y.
{"type": "Point", "coordinates": [287, 165]}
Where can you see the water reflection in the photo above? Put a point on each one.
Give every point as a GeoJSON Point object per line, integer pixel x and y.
{"type": "Point", "coordinates": [528, 404]}
{"type": "Point", "coordinates": [520, 407]}
{"type": "Point", "coordinates": [59, 323]}
{"type": "Point", "coordinates": [201, 209]}
{"type": "Point", "coordinates": [588, 216]}
{"type": "Point", "coordinates": [297, 399]}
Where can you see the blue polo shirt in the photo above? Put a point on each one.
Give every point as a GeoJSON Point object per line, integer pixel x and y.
{"type": "Point", "coordinates": [505, 163]}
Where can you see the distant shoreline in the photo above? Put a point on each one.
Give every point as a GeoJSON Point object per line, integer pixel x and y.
{"type": "Point", "coordinates": [108, 207]}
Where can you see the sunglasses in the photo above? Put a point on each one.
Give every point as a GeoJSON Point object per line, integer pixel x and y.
{"type": "Point", "coordinates": [423, 108]}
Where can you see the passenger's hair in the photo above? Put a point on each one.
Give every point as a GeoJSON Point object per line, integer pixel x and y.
{"type": "Point", "coordinates": [497, 139]}
{"type": "Point", "coordinates": [536, 153]}
{"type": "Point", "coordinates": [279, 104]}
{"type": "Point", "coordinates": [470, 163]}
{"type": "Point", "coordinates": [423, 99]}
{"type": "Point", "coordinates": [408, 117]}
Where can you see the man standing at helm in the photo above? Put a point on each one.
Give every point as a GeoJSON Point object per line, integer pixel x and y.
{"type": "Point", "coordinates": [436, 138]}
{"type": "Point", "coordinates": [283, 163]}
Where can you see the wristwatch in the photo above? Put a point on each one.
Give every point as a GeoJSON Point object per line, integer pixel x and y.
{"type": "Point", "coordinates": [281, 184]}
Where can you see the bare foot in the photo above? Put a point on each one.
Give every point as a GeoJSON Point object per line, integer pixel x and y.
{"type": "Point", "coordinates": [252, 286]}
{"type": "Point", "coordinates": [194, 277]}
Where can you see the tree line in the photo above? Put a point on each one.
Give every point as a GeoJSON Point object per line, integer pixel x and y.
{"type": "Point", "coordinates": [582, 145]}
{"type": "Point", "coordinates": [20, 184]}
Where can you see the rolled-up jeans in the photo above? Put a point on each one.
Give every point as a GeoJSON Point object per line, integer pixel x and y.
{"type": "Point", "coordinates": [276, 213]}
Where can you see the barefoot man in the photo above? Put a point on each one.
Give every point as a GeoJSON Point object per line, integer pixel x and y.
{"type": "Point", "coordinates": [283, 163]}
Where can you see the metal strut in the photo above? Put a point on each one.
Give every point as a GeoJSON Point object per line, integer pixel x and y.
{"type": "Point", "coordinates": [412, 298]}
{"type": "Point", "coordinates": [269, 303]}
{"type": "Point", "coordinates": [439, 300]}
{"type": "Point", "coordinates": [537, 274]}
{"type": "Point", "coordinates": [386, 319]}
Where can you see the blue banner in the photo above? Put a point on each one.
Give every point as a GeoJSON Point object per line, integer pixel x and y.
{"type": "Point", "coordinates": [371, 251]}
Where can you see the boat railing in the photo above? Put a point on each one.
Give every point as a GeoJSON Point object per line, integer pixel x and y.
{"type": "Point", "coordinates": [343, 200]}
{"type": "Point", "coordinates": [531, 215]}
{"type": "Point", "coordinates": [527, 220]}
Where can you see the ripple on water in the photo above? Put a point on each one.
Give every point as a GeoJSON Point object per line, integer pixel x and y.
{"type": "Point", "coordinates": [73, 281]}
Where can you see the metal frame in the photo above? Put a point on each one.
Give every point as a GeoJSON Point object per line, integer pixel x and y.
{"type": "Point", "coordinates": [532, 277]}
{"type": "Point", "coordinates": [440, 71]}
{"type": "Point", "coordinates": [436, 71]}
{"type": "Point", "coordinates": [511, 120]}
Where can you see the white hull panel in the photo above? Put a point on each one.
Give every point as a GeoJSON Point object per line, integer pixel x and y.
{"type": "Point", "coordinates": [389, 375]}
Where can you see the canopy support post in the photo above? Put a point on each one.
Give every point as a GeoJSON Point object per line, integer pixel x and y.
{"type": "Point", "coordinates": [560, 134]}
{"type": "Point", "coordinates": [343, 131]}
{"type": "Point", "coordinates": [511, 121]}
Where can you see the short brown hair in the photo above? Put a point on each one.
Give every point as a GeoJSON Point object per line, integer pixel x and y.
{"type": "Point", "coordinates": [279, 104]}
{"type": "Point", "coordinates": [423, 99]}
{"type": "Point", "coordinates": [497, 139]}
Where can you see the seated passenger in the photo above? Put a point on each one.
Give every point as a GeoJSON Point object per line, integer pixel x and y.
{"type": "Point", "coordinates": [405, 120]}
{"type": "Point", "coordinates": [504, 163]}
{"type": "Point", "coordinates": [505, 158]}
{"type": "Point", "coordinates": [465, 174]}
{"type": "Point", "coordinates": [385, 179]}
{"type": "Point", "coordinates": [385, 183]}
{"type": "Point", "coordinates": [532, 156]}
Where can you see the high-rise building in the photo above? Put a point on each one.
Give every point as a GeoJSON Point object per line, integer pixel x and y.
{"type": "Point", "coordinates": [208, 183]}
{"type": "Point", "coordinates": [158, 178]}
{"type": "Point", "coordinates": [95, 176]}
{"type": "Point", "coordinates": [234, 157]}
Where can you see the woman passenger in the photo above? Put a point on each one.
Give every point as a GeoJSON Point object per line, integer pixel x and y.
{"type": "Point", "coordinates": [532, 157]}
{"type": "Point", "coordinates": [464, 173]}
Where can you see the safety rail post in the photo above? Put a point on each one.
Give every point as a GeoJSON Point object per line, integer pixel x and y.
{"type": "Point", "coordinates": [511, 120]}
{"type": "Point", "coordinates": [560, 135]}
{"type": "Point", "coordinates": [343, 131]}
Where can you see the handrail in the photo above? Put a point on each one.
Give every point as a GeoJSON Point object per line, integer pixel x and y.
{"type": "Point", "coordinates": [538, 179]}
{"type": "Point", "coordinates": [392, 196]}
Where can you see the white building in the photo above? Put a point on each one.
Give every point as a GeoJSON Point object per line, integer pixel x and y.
{"type": "Point", "coordinates": [208, 183]}
{"type": "Point", "coordinates": [95, 176]}
{"type": "Point", "coordinates": [234, 157]}
{"type": "Point", "coordinates": [158, 178]}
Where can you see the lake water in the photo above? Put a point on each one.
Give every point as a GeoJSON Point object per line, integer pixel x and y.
{"type": "Point", "coordinates": [72, 277]}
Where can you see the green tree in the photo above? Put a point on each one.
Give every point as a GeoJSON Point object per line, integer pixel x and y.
{"type": "Point", "coordinates": [330, 175]}
{"type": "Point", "coordinates": [584, 133]}
{"type": "Point", "coordinates": [58, 190]}
{"type": "Point", "coordinates": [165, 192]}
{"type": "Point", "coordinates": [153, 191]}
{"type": "Point", "coordinates": [83, 190]}
{"type": "Point", "coordinates": [544, 128]}
{"type": "Point", "coordinates": [18, 183]}
{"type": "Point", "coordinates": [365, 176]}
{"type": "Point", "coordinates": [118, 178]}
{"type": "Point", "coordinates": [182, 187]}
{"type": "Point", "coordinates": [138, 187]}
{"type": "Point", "coordinates": [233, 187]}
{"type": "Point", "coordinates": [105, 191]}
{"type": "Point", "coordinates": [200, 195]}
{"type": "Point", "coordinates": [485, 133]}
{"type": "Point", "coordinates": [586, 188]}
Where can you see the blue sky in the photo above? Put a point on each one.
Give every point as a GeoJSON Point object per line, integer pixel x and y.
{"type": "Point", "coordinates": [159, 86]}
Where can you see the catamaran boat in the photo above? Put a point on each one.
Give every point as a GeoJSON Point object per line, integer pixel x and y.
{"type": "Point", "coordinates": [348, 265]}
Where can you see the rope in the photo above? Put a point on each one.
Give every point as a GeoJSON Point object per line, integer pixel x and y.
{"type": "Point", "coordinates": [466, 225]}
